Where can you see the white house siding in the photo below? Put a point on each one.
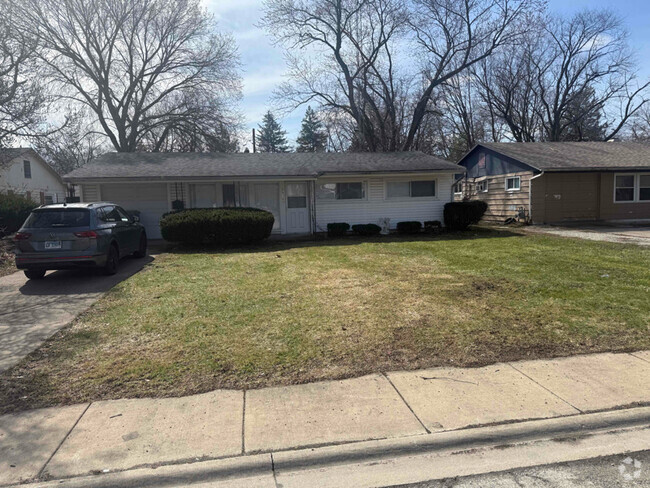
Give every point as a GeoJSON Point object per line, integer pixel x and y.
{"type": "Point", "coordinates": [42, 185]}
{"type": "Point", "coordinates": [376, 206]}
{"type": "Point", "coordinates": [150, 199]}
{"type": "Point", "coordinates": [90, 193]}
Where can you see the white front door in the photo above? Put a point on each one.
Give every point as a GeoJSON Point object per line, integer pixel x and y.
{"type": "Point", "coordinates": [266, 196]}
{"type": "Point", "coordinates": [297, 208]}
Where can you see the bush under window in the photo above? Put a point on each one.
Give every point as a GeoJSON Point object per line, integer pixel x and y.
{"type": "Point", "coordinates": [409, 227]}
{"type": "Point", "coordinates": [337, 229]}
{"type": "Point", "coordinates": [366, 229]}
{"type": "Point", "coordinates": [460, 215]}
{"type": "Point", "coordinates": [432, 226]}
{"type": "Point", "coordinates": [220, 226]}
{"type": "Point", "coordinates": [14, 210]}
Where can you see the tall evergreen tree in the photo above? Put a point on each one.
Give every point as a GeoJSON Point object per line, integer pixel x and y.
{"type": "Point", "coordinates": [312, 136]}
{"type": "Point", "coordinates": [270, 136]}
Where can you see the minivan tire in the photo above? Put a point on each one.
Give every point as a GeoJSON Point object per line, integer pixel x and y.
{"type": "Point", "coordinates": [142, 249]}
{"type": "Point", "coordinates": [35, 273]}
{"type": "Point", "coordinates": [112, 261]}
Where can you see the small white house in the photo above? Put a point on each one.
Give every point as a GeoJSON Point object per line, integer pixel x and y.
{"type": "Point", "coordinates": [23, 171]}
{"type": "Point", "coordinates": [304, 191]}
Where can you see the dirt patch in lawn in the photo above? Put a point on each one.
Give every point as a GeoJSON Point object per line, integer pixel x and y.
{"type": "Point", "coordinates": [286, 313]}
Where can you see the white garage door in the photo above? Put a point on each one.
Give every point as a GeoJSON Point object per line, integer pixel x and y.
{"type": "Point", "coordinates": [150, 199]}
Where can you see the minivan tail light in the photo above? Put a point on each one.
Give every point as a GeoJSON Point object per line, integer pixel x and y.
{"type": "Point", "coordinates": [22, 236]}
{"type": "Point", "coordinates": [90, 234]}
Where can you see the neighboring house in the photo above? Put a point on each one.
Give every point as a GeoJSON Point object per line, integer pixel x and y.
{"type": "Point", "coordinates": [23, 171]}
{"type": "Point", "coordinates": [304, 191]}
{"type": "Point", "coordinates": [550, 182]}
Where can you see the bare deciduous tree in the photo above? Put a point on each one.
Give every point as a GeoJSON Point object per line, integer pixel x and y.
{"type": "Point", "coordinates": [128, 61]}
{"type": "Point", "coordinates": [22, 98]}
{"type": "Point", "coordinates": [571, 73]}
{"type": "Point", "coordinates": [356, 46]}
{"type": "Point", "coordinates": [73, 145]}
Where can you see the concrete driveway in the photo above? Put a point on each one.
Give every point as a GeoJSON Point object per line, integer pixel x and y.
{"type": "Point", "coordinates": [31, 311]}
{"type": "Point", "coordinates": [621, 234]}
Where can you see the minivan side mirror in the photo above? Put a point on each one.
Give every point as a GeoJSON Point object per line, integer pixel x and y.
{"type": "Point", "coordinates": [136, 218]}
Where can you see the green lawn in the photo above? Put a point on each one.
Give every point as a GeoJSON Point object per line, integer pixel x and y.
{"type": "Point", "coordinates": [286, 313]}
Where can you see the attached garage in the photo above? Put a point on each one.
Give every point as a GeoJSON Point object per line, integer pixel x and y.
{"type": "Point", "coordinates": [568, 196]}
{"type": "Point", "coordinates": [150, 199]}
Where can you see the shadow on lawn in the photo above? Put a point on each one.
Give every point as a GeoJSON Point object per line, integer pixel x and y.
{"type": "Point", "coordinates": [321, 240]}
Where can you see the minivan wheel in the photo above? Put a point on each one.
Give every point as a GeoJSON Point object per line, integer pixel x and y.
{"type": "Point", "coordinates": [112, 261]}
{"type": "Point", "coordinates": [35, 273]}
{"type": "Point", "coordinates": [142, 249]}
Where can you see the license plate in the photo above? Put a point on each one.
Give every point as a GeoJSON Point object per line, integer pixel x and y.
{"type": "Point", "coordinates": [52, 244]}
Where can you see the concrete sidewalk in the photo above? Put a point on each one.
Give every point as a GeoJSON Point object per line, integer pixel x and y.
{"type": "Point", "coordinates": [247, 427]}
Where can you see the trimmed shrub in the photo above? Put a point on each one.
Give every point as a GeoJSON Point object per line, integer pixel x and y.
{"type": "Point", "coordinates": [221, 226]}
{"type": "Point", "coordinates": [14, 210]}
{"type": "Point", "coordinates": [337, 229]}
{"type": "Point", "coordinates": [366, 229]}
{"type": "Point", "coordinates": [409, 227]}
{"type": "Point", "coordinates": [460, 215]}
{"type": "Point", "coordinates": [432, 226]}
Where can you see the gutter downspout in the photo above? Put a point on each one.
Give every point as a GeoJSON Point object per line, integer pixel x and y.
{"type": "Point", "coordinates": [530, 196]}
{"type": "Point", "coordinates": [313, 206]}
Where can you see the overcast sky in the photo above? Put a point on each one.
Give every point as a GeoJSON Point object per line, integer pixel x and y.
{"type": "Point", "coordinates": [263, 64]}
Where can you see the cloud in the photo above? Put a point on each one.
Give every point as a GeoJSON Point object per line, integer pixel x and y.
{"type": "Point", "coordinates": [223, 7]}
{"type": "Point", "coordinates": [262, 82]}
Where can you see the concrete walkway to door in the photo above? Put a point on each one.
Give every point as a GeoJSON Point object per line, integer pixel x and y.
{"type": "Point", "coordinates": [328, 417]}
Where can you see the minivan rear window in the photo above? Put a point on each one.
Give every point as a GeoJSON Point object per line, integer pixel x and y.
{"type": "Point", "coordinates": [58, 218]}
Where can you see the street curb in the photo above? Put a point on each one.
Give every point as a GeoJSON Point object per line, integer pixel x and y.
{"type": "Point", "coordinates": [503, 435]}
{"type": "Point", "coordinates": [259, 465]}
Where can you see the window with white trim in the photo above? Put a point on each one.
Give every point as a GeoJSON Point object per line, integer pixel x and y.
{"type": "Point", "coordinates": [27, 168]}
{"type": "Point", "coordinates": [644, 188]}
{"type": "Point", "coordinates": [354, 190]}
{"type": "Point", "coordinates": [482, 186]}
{"type": "Point", "coordinates": [632, 188]}
{"type": "Point", "coordinates": [513, 183]}
{"type": "Point", "coordinates": [410, 189]}
{"type": "Point", "coordinates": [624, 188]}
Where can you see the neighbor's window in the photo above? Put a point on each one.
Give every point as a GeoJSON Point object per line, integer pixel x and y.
{"type": "Point", "coordinates": [228, 194]}
{"type": "Point", "coordinates": [27, 167]}
{"type": "Point", "coordinates": [644, 187]}
{"type": "Point", "coordinates": [513, 183]}
{"type": "Point", "coordinates": [624, 188]}
{"type": "Point", "coordinates": [341, 191]}
{"type": "Point", "coordinates": [405, 189]}
{"type": "Point", "coordinates": [482, 186]}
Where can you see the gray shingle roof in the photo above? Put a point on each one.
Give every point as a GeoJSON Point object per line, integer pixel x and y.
{"type": "Point", "coordinates": [219, 165]}
{"type": "Point", "coordinates": [573, 156]}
